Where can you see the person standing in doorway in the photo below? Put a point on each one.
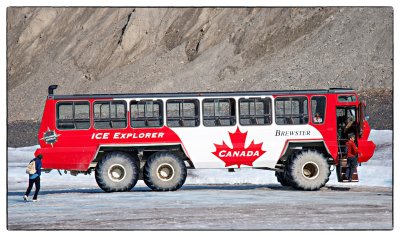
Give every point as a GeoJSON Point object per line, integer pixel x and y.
{"type": "Point", "coordinates": [349, 128]}
{"type": "Point", "coordinates": [35, 179]}
{"type": "Point", "coordinates": [352, 156]}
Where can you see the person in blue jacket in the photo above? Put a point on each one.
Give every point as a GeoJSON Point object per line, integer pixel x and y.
{"type": "Point", "coordinates": [35, 179]}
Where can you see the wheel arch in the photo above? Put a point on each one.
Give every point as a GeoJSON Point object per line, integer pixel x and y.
{"type": "Point", "coordinates": [143, 152]}
{"type": "Point", "coordinates": [293, 147]}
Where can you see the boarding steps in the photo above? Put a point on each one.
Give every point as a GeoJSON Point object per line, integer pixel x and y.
{"type": "Point", "coordinates": [342, 166]}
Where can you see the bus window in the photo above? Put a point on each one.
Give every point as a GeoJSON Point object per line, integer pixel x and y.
{"type": "Point", "coordinates": [219, 112]}
{"type": "Point", "coordinates": [291, 110]}
{"type": "Point", "coordinates": [318, 104]}
{"type": "Point", "coordinates": [183, 113]}
{"type": "Point", "coordinates": [254, 111]}
{"type": "Point", "coordinates": [347, 98]}
{"type": "Point", "coordinates": [73, 115]}
{"type": "Point", "coordinates": [110, 114]}
{"type": "Point", "coordinates": [146, 113]}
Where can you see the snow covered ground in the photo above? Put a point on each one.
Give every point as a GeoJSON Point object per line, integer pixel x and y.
{"type": "Point", "coordinates": [210, 199]}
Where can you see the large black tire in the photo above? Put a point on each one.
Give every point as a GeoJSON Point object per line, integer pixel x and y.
{"type": "Point", "coordinates": [164, 171]}
{"type": "Point", "coordinates": [308, 170]}
{"type": "Point", "coordinates": [117, 172]}
{"type": "Point", "coordinates": [283, 179]}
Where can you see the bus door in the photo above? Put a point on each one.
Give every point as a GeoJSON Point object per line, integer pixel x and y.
{"type": "Point", "coordinates": [346, 118]}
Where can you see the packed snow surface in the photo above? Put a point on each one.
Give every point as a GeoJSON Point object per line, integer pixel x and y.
{"type": "Point", "coordinates": [210, 199]}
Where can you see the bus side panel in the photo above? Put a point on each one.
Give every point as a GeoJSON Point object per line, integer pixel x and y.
{"type": "Point", "coordinates": [270, 140]}
{"type": "Point", "coordinates": [75, 150]}
{"type": "Point", "coordinates": [68, 158]}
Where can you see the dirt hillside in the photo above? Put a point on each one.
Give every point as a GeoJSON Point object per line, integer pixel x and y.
{"type": "Point", "coordinates": [113, 50]}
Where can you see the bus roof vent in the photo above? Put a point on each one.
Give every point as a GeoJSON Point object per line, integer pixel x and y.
{"type": "Point", "coordinates": [51, 89]}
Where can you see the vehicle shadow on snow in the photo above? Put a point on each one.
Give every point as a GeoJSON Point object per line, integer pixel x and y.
{"type": "Point", "coordinates": [267, 187]}
{"type": "Point", "coordinates": [182, 189]}
{"type": "Point", "coordinates": [64, 191]}
{"type": "Point", "coordinates": [235, 187]}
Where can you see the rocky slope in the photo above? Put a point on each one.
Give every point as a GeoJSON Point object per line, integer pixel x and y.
{"type": "Point", "coordinates": [113, 50]}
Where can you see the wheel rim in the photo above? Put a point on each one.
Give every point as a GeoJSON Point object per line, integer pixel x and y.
{"type": "Point", "coordinates": [310, 170]}
{"type": "Point", "coordinates": [165, 172]}
{"type": "Point", "coordinates": [117, 173]}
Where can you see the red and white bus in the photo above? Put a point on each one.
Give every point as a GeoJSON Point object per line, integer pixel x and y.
{"type": "Point", "coordinates": [156, 137]}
